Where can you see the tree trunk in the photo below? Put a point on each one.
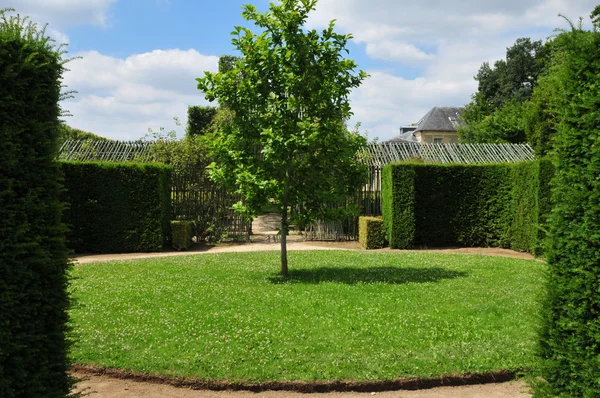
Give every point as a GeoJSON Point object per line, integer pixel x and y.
{"type": "Point", "coordinates": [284, 224]}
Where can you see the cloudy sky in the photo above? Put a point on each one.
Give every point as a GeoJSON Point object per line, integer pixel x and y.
{"type": "Point", "coordinates": [140, 58]}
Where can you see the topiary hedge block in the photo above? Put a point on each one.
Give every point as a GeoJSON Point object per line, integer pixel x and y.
{"type": "Point", "coordinates": [398, 205]}
{"type": "Point", "coordinates": [34, 269]}
{"type": "Point", "coordinates": [117, 207]}
{"type": "Point", "coordinates": [437, 205]}
{"type": "Point", "coordinates": [371, 232]}
{"type": "Point", "coordinates": [181, 234]}
{"type": "Point", "coordinates": [570, 336]}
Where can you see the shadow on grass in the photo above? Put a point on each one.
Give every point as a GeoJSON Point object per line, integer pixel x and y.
{"type": "Point", "coordinates": [353, 275]}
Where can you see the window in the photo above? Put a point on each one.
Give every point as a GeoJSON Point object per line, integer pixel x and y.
{"type": "Point", "coordinates": [438, 140]}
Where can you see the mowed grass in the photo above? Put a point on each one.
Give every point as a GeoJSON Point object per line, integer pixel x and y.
{"type": "Point", "coordinates": [342, 315]}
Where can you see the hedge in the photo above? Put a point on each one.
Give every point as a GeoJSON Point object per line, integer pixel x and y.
{"type": "Point", "coordinates": [570, 338]}
{"type": "Point", "coordinates": [371, 233]}
{"type": "Point", "coordinates": [33, 257]}
{"type": "Point", "coordinates": [117, 207]}
{"type": "Point", "coordinates": [466, 205]}
{"type": "Point", "coordinates": [181, 234]}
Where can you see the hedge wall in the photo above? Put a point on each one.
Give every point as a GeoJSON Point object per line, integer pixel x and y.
{"type": "Point", "coordinates": [33, 256]}
{"type": "Point", "coordinates": [117, 207]}
{"type": "Point", "coordinates": [570, 338]}
{"type": "Point", "coordinates": [464, 205]}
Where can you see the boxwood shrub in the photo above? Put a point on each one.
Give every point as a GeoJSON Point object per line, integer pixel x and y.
{"type": "Point", "coordinates": [465, 205]}
{"type": "Point", "coordinates": [181, 234]}
{"type": "Point", "coordinates": [117, 207]}
{"type": "Point", "coordinates": [33, 257]}
{"type": "Point", "coordinates": [371, 233]}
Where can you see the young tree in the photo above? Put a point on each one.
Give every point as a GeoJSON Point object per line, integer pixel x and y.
{"type": "Point", "coordinates": [288, 98]}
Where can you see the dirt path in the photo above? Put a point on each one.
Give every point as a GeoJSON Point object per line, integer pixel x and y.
{"type": "Point", "coordinates": [263, 243]}
{"type": "Point", "coordinates": [105, 386]}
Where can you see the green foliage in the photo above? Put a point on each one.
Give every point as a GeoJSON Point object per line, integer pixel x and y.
{"type": "Point", "coordinates": [199, 119]}
{"type": "Point", "coordinates": [371, 233]}
{"type": "Point", "coordinates": [340, 315]}
{"type": "Point", "coordinates": [33, 264]}
{"type": "Point", "coordinates": [117, 207]}
{"type": "Point", "coordinates": [288, 97]}
{"type": "Point", "coordinates": [195, 197]}
{"type": "Point", "coordinates": [505, 125]}
{"type": "Point", "coordinates": [398, 205]}
{"type": "Point", "coordinates": [227, 63]}
{"type": "Point", "coordinates": [570, 337]}
{"type": "Point", "coordinates": [67, 132]}
{"type": "Point", "coordinates": [495, 113]}
{"type": "Point", "coordinates": [181, 234]}
{"type": "Point", "coordinates": [466, 205]}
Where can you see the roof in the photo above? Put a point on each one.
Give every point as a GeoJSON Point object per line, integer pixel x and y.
{"type": "Point", "coordinates": [404, 137]}
{"type": "Point", "coordinates": [441, 118]}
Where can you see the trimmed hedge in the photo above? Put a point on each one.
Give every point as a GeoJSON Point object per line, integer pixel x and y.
{"type": "Point", "coordinates": [466, 205]}
{"type": "Point", "coordinates": [181, 234]}
{"type": "Point", "coordinates": [570, 338]}
{"type": "Point", "coordinates": [371, 233]}
{"type": "Point", "coordinates": [33, 256]}
{"type": "Point", "coordinates": [117, 207]}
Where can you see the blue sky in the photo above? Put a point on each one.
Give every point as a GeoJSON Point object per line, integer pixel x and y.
{"type": "Point", "coordinates": [140, 57]}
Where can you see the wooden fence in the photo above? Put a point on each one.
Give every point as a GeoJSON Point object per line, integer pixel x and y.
{"type": "Point", "coordinates": [197, 198]}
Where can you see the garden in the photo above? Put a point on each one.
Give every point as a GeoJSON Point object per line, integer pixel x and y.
{"type": "Point", "coordinates": [304, 316]}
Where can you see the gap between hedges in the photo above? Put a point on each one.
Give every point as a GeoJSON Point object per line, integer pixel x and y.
{"type": "Point", "coordinates": [412, 383]}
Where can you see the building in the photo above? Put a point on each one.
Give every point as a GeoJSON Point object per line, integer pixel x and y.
{"type": "Point", "coordinates": [438, 126]}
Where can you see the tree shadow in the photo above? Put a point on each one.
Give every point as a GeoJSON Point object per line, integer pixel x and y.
{"type": "Point", "coordinates": [354, 275]}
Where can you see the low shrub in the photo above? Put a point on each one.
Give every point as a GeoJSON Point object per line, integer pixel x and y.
{"type": "Point", "coordinates": [117, 207]}
{"type": "Point", "coordinates": [371, 233]}
{"type": "Point", "coordinates": [181, 234]}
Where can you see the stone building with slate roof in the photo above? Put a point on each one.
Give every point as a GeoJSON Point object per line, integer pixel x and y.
{"type": "Point", "coordinates": [438, 126]}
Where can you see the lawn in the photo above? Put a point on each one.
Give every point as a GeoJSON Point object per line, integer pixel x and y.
{"type": "Point", "coordinates": [342, 315]}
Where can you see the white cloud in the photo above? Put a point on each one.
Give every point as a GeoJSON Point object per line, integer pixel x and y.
{"type": "Point", "coordinates": [122, 98]}
{"type": "Point", "coordinates": [63, 13]}
{"type": "Point", "coordinates": [458, 35]}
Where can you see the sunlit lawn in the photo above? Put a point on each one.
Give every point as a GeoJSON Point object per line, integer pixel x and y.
{"type": "Point", "coordinates": [349, 315]}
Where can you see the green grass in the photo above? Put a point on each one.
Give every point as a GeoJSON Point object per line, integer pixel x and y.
{"type": "Point", "coordinates": [342, 315]}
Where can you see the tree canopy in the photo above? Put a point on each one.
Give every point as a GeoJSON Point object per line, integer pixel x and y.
{"type": "Point", "coordinates": [288, 101]}
{"type": "Point", "coordinates": [495, 111]}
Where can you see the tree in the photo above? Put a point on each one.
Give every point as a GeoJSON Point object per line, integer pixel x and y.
{"type": "Point", "coordinates": [227, 63]}
{"type": "Point", "coordinates": [501, 92]}
{"type": "Point", "coordinates": [288, 98]}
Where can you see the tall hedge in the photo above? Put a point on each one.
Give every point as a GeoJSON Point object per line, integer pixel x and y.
{"type": "Point", "coordinates": [570, 341]}
{"type": "Point", "coordinates": [117, 207]}
{"type": "Point", "coordinates": [199, 118]}
{"type": "Point", "coordinates": [33, 261]}
{"type": "Point", "coordinates": [465, 205]}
